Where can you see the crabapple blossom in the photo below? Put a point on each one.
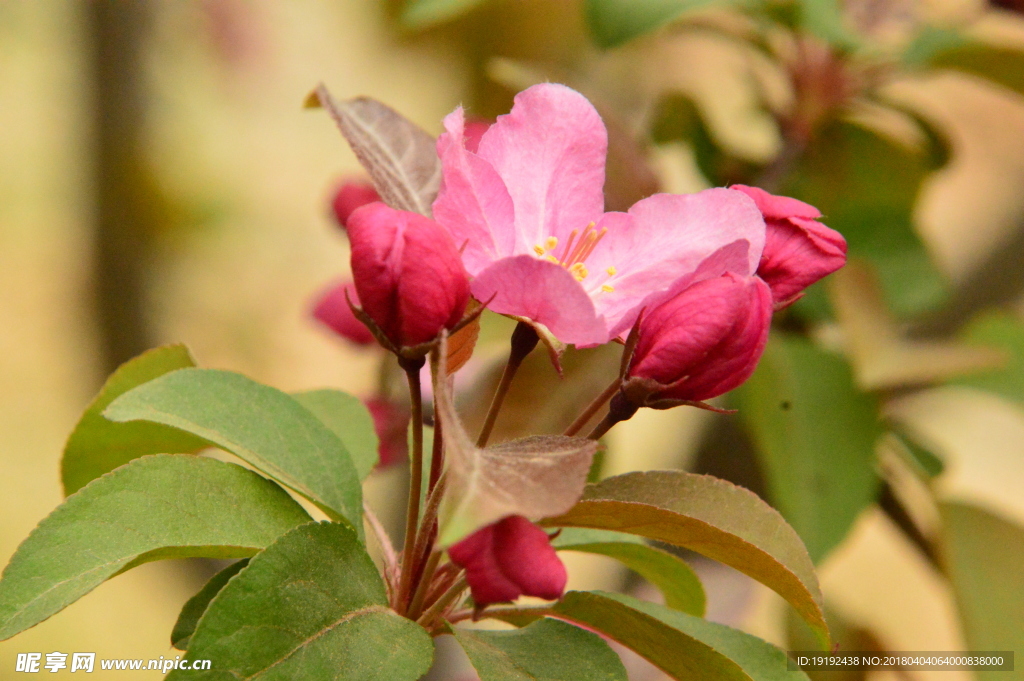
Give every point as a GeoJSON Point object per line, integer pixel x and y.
{"type": "Point", "coordinates": [350, 195]}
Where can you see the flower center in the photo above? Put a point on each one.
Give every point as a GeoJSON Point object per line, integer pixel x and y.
{"type": "Point", "coordinates": [576, 252]}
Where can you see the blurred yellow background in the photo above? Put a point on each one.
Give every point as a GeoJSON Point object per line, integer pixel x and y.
{"type": "Point", "coordinates": [245, 175]}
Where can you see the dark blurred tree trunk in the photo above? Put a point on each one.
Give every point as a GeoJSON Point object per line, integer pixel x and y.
{"type": "Point", "coordinates": [125, 198]}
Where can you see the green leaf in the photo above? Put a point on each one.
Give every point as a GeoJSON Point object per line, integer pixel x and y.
{"type": "Point", "coordinates": [681, 645]}
{"type": "Point", "coordinates": [160, 506]}
{"type": "Point", "coordinates": [349, 419]}
{"type": "Point", "coordinates": [1001, 65]}
{"type": "Point", "coordinates": [420, 14]}
{"type": "Point", "coordinates": [983, 555]}
{"type": "Point", "coordinates": [712, 517]}
{"type": "Point", "coordinates": [824, 19]}
{"type": "Point", "coordinates": [1002, 330]}
{"type": "Point", "coordinates": [866, 185]}
{"type": "Point", "coordinates": [815, 436]}
{"type": "Point", "coordinates": [311, 607]}
{"type": "Point", "coordinates": [97, 446]}
{"type": "Point", "coordinates": [194, 607]}
{"type": "Point", "coordinates": [257, 423]}
{"type": "Point", "coordinates": [674, 578]}
{"type": "Point", "coordinates": [613, 22]}
{"type": "Point", "coordinates": [547, 650]}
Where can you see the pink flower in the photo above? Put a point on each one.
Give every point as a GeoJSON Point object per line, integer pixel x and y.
{"type": "Point", "coordinates": [408, 274]}
{"type": "Point", "coordinates": [701, 343]}
{"type": "Point", "coordinates": [350, 195]}
{"type": "Point", "coordinates": [473, 131]}
{"type": "Point", "coordinates": [333, 311]}
{"type": "Point", "coordinates": [508, 559]}
{"type": "Point", "coordinates": [391, 423]}
{"type": "Point", "coordinates": [798, 249]}
{"type": "Point", "coordinates": [527, 212]}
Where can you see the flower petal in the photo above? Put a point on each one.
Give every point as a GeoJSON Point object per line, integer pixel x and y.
{"type": "Point", "coordinates": [472, 204]}
{"type": "Point", "coordinates": [778, 207]}
{"type": "Point", "coordinates": [664, 243]}
{"type": "Point", "coordinates": [525, 286]}
{"type": "Point", "coordinates": [550, 151]}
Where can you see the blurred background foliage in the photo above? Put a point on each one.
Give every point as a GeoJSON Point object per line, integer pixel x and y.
{"type": "Point", "coordinates": [159, 182]}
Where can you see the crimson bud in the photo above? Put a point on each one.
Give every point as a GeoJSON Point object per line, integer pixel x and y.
{"type": "Point", "coordinates": [351, 195]}
{"type": "Point", "coordinates": [798, 250]}
{"type": "Point", "coordinates": [391, 423]}
{"type": "Point", "coordinates": [334, 311]}
{"type": "Point", "coordinates": [408, 273]}
{"type": "Point", "coordinates": [508, 559]}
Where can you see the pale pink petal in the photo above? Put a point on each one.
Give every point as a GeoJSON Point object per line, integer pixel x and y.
{"type": "Point", "coordinates": [473, 204]}
{"type": "Point", "coordinates": [778, 207]}
{"type": "Point", "coordinates": [550, 151]}
{"type": "Point", "coordinates": [525, 286]}
{"type": "Point", "coordinates": [659, 247]}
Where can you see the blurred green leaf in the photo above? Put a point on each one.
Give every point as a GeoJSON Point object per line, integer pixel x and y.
{"type": "Point", "coordinates": [194, 607]}
{"type": "Point", "coordinates": [929, 41]}
{"type": "Point", "coordinates": [547, 650]}
{"type": "Point", "coordinates": [349, 419]}
{"type": "Point", "coordinates": [1002, 330]}
{"type": "Point", "coordinates": [712, 517]}
{"type": "Point", "coordinates": [846, 637]}
{"type": "Point", "coordinates": [925, 463]}
{"type": "Point", "coordinates": [678, 118]}
{"type": "Point", "coordinates": [815, 435]}
{"type": "Point", "coordinates": [824, 19]}
{"type": "Point", "coordinates": [681, 645]}
{"type": "Point", "coordinates": [419, 14]}
{"type": "Point", "coordinates": [156, 507]}
{"type": "Point", "coordinates": [311, 607]}
{"type": "Point", "coordinates": [671, 575]}
{"type": "Point", "coordinates": [866, 185]}
{"type": "Point", "coordinates": [984, 555]}
{"type": "Point", "coordinates": [97, 446]}
{"type": "Point", "coordinates": [259, 424]}
{"type": "Point", "coordinates": [614, 22]}
{"type": "Point", "coordinates": [1001, 65]}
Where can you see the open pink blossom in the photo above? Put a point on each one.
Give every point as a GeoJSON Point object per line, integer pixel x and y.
{"type": "Point", "coordinates": [527, 211]}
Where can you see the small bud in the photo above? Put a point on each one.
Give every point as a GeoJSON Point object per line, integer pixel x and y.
{"type": "Point", "coordinates": [408, 273]}
{"type": "Point", "coordinates": [350, 195]}
{"type": "Point", "coordinates": [508, 559]}
{"type": "Point", "coordinates": [391, 423]}
{"type": "Point", "coordinates": [333, 311]}
{"type": "Point", "coordinates": [701, 343]}
{"type": "Point", "coordinates": [798, 250]}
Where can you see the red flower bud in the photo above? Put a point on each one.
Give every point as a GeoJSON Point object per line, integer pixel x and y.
{"type": "Point", "coordinates": [408, 273]}
{"type": "Point", "coordinates": [508, 559]}
{"type": "Point", "coordinates": [350, 195]}
{"type": "Point", "coordinates": [701, 343]}
{"type": "Point", "coordinates": [333, 310]}
{"type": "Point", "coordinates": [391, 423]}
{"type": "Point", "coordinates": [798, 250]}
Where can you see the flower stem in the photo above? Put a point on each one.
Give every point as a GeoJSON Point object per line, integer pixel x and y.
{"type": "Point", "coordinates": [524, 340]}
{"type": "Point", "coordinates": [592, 408]}
{"type": "Point", "coordinates": [443, 601]}
{"type": "Point", "coordinates": [416, 604]}
{"type": "Point", "coordinates": [412, 373]}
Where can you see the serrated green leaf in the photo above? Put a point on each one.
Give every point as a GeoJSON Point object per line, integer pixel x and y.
{"type": "Point", "coordinates": [547, 650]}
{"type": "Point", "coordinates": [712, 517]}
{"type": "Point", "coordinates": [1002, 330]}
{"type": "Point", "coordinates": [350, 420]}
{"type": "Point", "coordinates": [815, 435]}
{"type": "Point", "coordinates": [1001, 65]}
{"type": "Point", "coordinates": [160, 506]}
{"type": "Point", "coordinates": [261, 425]}
{"type": "Point", "coordinates": [983, 555]}
{"type": "Point", "coordinates": [866, 185]}
{"type": "Point", "coordinates": [97, 446]}
{"type": "Point", "coordinates": [614, 22]}
{"type": "Point", "coordinates": [194, 607]}
{"type": "Point", "coordinates": [311, 607]}
{"type": "Point", "coordinates": [674, 578]}
{"type": "Point", "coordinates": [420, 14]}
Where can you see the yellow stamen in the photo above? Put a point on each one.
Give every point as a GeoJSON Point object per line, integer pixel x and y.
{"type": "Point", "coordinates": [551, 258]}
{"type": "Point", "coordinates": [550, 243]}
{"type": "Point", "coordinates": [579, 270]}
{"type": "Point", "coordinates": [611, 271]}
{"type": "Point", "coordinates": [606, 288]}
{"type": "Point", "coordinates": [539, 250]}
